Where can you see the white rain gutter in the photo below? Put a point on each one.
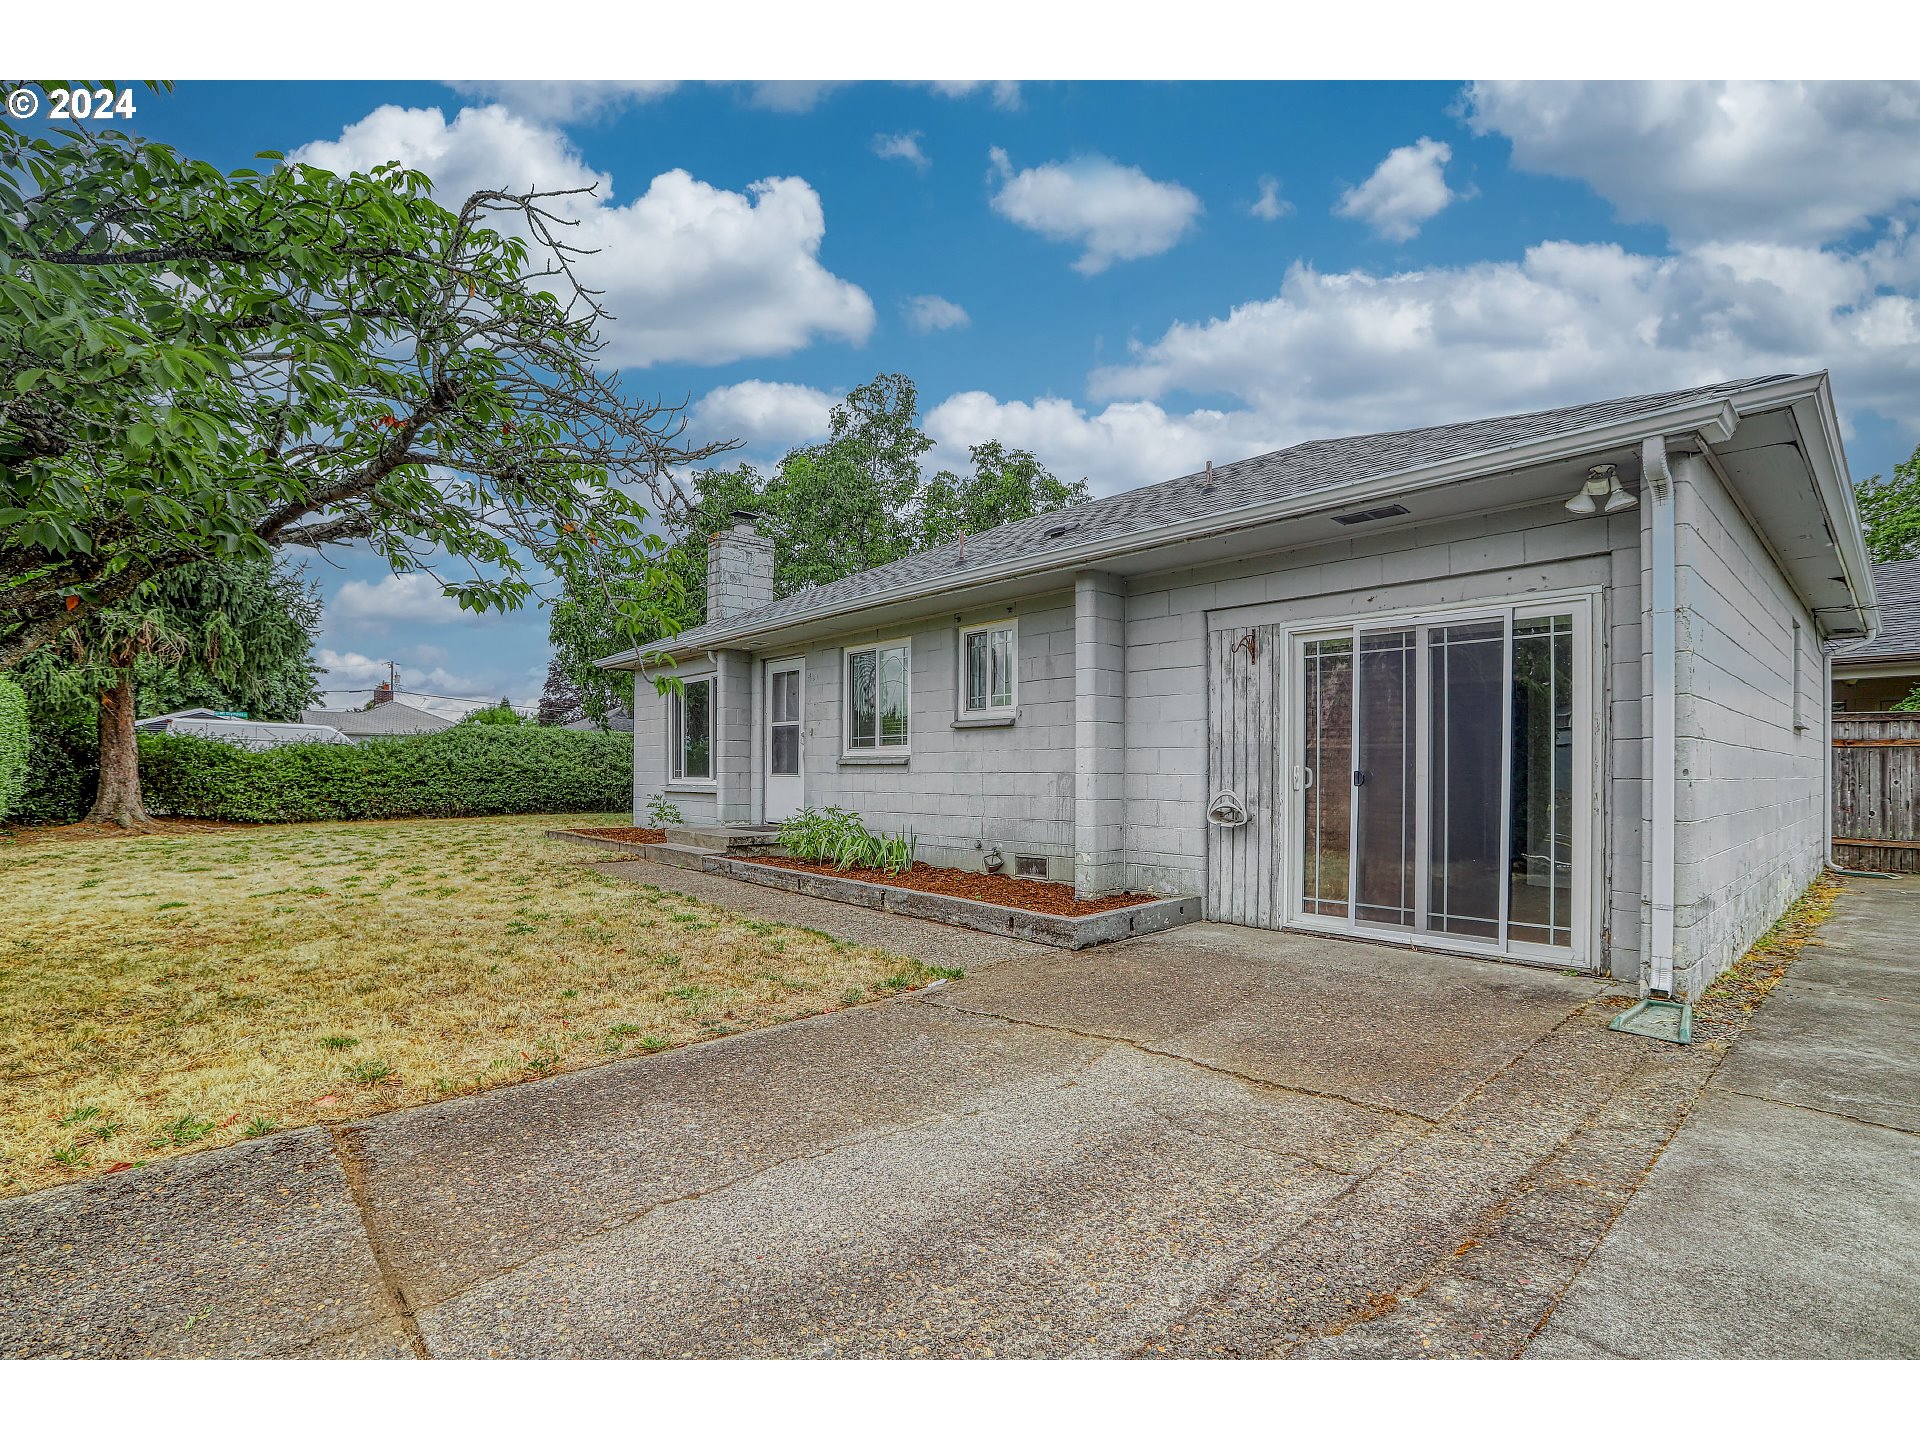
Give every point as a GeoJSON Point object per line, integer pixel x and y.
{"type": "Point", "coordinates": [1663, 748]}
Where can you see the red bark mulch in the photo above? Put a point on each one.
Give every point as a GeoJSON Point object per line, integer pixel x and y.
{"type": "Point", "coordinates": [638, 834]}
{"type": "Point", "coordinates": [1047, 897]}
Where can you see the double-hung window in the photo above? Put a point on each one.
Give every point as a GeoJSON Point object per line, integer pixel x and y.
{"type": "Point", "coordinates": [877, 698]}
{"type": "Point", "coordinates": [690, 732]}
{"type": "Point", "coordinates": [988, 659]}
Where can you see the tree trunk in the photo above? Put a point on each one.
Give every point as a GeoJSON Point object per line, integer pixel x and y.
{"type": "Point", "coordinates": [118, 801]}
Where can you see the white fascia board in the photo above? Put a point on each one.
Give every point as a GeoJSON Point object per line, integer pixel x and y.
{"type": "Point", "coordinates": [1708, 418]}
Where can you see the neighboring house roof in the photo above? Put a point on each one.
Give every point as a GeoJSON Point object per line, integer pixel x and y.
{"type": "Point", "coordinates": [162, 722]}
{"type": "Point", "coordinates": [1148, 515]}
{"type": "Point", "coordinates": [618, 723]}
{"type": "Point", "coordinates": [392, 717]}
{"type": "Point", "coordinates": [248, 734]}
{"type": "Point", "coordinates": [1898, 582]}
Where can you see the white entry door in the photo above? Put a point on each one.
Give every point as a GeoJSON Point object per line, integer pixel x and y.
{"type": "Point", "coordinates": [786, 682]}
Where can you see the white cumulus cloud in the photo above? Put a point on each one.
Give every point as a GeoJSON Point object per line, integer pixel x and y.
{"type": "Point", "coordinates": [1115, 212]}
{"type": "Point", "coordinates": [691, 272]}
{"type": "Point", "coordinates": [927, 313]}
{"type": "Point", "coordinates": [1269, 205]}
{"type": "Point", "coordinates": [1005, 93]}
{"type": "Point", "coordinates": [768, 416]}
{"type": "Point", "coordinates": [566, 100]}
{"type": "Point", "coordinates": [416, 599]}
{"type": "Point", "coordinates": [1406, 190]}
{"type": "Point", "coordinates": [905, 146]}
{"type": "Point", "coordinates": [1772, 160]}
{"type": "Point", "coordinates": [1347, 352]}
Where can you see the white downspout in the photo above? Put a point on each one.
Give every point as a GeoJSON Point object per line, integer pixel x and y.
{"type": "Point", "coordinates": [1663, 755]}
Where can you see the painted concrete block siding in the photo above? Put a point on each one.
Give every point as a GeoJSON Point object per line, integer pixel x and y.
{"type": "Point", "coordinates": [960, 789]}
{"type": "Point", "coordinates": [1749, 801]}
{"type": "Point", "coordinates": [1100, 735]}
{"type": "Point", "coordinates": [1491, 557]}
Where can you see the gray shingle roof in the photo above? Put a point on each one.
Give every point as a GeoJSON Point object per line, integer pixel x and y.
{"type": "Point", "coordinates": [394, 717]}
{"type": "Point", "coordinates": [1898, 584]}
{"type": "Point", "coordinates": [1300, 470]}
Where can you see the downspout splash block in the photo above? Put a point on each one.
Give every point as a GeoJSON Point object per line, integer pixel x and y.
{"type": "Point", "coordinates": [1668, 1020]}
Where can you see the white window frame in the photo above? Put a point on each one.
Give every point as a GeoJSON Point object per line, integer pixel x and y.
{"type": "Point", "coordinates": [676, 747]}
{"type": "Point", "coordinates": [848, 749]}
{"type": "Point", "coordinates": [989, 711]}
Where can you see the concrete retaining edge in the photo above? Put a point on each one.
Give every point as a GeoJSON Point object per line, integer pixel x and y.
{"type": "Point", "coordinates": [1067, 932]}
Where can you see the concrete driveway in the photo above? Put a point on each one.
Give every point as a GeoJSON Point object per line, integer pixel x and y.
{"type": "Point", "coordinates": [1210, 1142]}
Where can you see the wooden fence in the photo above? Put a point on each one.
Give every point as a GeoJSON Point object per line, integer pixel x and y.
{"type": "Point", "coordinates": [1876, 790]}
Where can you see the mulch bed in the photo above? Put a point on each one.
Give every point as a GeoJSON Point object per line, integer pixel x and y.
{"type": "Point", "coordinates": [1046, 897]}
{"type": "Point", "coordinates": [638, 834]}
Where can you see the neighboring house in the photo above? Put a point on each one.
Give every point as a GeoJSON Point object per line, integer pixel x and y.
{"type": "Point", "coordinates": [386, 716]}
{"type": "Point", "coordinates": [619, 722]}
{"type": "Point", "coordinates": [237, 730]}
{"type": "Point", "coordinates": [1878, 674]}
{"type": "Point", "coordinates": [1547, 687]}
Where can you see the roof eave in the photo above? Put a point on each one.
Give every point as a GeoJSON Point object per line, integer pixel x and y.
{"type": "Point", "coordinates": [1714, 418]}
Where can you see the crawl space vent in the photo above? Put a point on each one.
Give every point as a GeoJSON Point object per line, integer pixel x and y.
{"type": "Point", "coordinates": [1032, 867]}
{"type": "Point", "coordinates": [1360, 517]}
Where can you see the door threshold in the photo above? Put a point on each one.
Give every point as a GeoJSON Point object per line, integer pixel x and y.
{"type": "Point", "coordinates": [1531, 962]}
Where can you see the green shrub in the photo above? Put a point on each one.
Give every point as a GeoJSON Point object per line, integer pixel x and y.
{"type": "Point", "coordinates": [663, 812]}
{"type": "Point", "coordinates": [13, 746]}
{"type": "Point", "coordinates": [837, 835]}
{"type": "Point", "coordinates": [465, 770]}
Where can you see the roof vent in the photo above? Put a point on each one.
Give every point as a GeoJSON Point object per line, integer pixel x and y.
{"type": "Point", "coordinates": [1360, 517]}
{"type": "Point", "coordinates": [1206, 483]}
{"type": "Point", "coordinates": [1054, 532]}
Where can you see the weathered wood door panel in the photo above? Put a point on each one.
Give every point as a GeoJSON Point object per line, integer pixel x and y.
{"type": "Point", "coordinates": [1247, 770]}
{"type": "Point", "coordinates": [1876, 790]}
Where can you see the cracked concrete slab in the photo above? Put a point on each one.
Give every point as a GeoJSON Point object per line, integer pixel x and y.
{"type": "Point", "coordinates": [467, 1188]}
{"type": "Point", "coordinates": [1381, 1026]}
{"type": "Point", "coordinates": [253, 1250]}
{"type": "Point", "coordinates": [1827, 1049]}
{"type": "Point", "coordinates": [1071, 1214]}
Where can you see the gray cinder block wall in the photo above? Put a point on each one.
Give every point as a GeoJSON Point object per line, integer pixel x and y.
{"type": "Point", "coordinates": [1750, 792]}
{"type": "Point", "coordinates": [739, 568]}
{"type": "Point", "coordinates": [1099, 734]}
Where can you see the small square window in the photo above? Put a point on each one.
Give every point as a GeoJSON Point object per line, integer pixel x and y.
{"type": "Point", "coordinates": [989, 660]}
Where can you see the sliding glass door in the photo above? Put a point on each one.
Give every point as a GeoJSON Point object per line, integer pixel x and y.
{"type": "Point", "coordinates": [1440, 767]}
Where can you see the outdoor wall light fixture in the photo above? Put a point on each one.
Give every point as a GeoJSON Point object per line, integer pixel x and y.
{"type": "Point", "coordinates": [1602, 492]}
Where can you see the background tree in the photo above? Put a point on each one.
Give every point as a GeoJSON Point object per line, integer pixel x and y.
{"type": "Point", "coordinates": [1890, 510]}
{"type": "Point", "coordinates": [197, 364]}
{"type": "Point", "coordinates": [502, 713]}
{"type": "Point", "coordinates": [232, 635]}
{"type": "Point", "coordinates": [856, 500]}
{"type": "Point", "coordinates": [559, 698]}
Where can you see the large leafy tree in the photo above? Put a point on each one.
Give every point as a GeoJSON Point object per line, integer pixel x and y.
{"type": "Point", "coordinates": [198, 364]}
{"type": "Point", "coordinates": [228, 635]}
{"type": "Point", "coordinates": [854, 501]}
{"type": "Point", "coordinates": [1890, 509]}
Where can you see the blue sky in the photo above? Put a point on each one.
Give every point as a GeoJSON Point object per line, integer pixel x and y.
{"type": "Point", "coordinates": [1131, 279]}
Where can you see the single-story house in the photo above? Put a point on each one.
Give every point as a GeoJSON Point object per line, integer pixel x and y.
{"type": "Point", "coordinates": [386, 717]}
{"type": "Point", "coordinates": [1879, 673]}
{"type": "Point", "coordinates": [239, 730]}
{"type": "Point", "coordinates": [1548, 687]}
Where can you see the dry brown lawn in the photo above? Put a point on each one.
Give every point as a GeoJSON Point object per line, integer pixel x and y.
{"type": "Point", "coordinates": [174, 992]}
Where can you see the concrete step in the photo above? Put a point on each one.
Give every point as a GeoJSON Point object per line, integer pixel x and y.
{"type": "Point", "coordinates": [687, 857]}
{"type": "Point", "coordinates": [735, 839]}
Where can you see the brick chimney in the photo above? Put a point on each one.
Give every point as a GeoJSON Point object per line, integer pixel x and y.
{"type": "Point", "coordinates": [382, 693]}
{"type": "Point", "coordinates": [739, 568]}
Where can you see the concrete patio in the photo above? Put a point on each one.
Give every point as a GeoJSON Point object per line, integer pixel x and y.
{"type": "Point", "coordinates": [1214, 1141]}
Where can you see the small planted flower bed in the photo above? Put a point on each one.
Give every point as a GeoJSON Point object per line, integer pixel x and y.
{"type": "Point", "coordinates": [632, 834]}
{"type": "Point", "coordinates": [1045, 897]}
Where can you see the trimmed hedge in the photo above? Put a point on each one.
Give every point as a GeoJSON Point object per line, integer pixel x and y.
{"type": "Point", "coordinates": [466, 770]}
{"type": "Point", "coordinates": [13, 746]}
